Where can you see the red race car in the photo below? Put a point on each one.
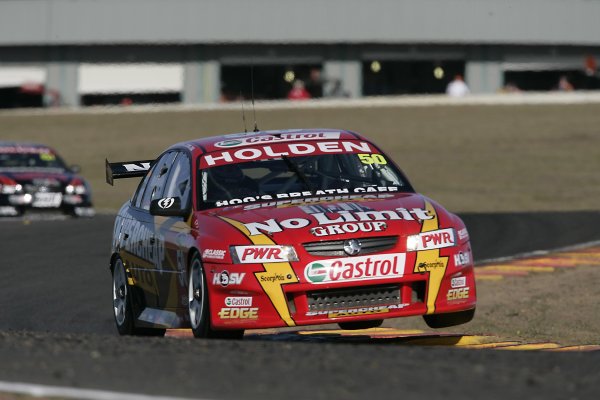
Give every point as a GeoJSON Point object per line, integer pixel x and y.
{"type": "Point", "coordinates": [33, 177]}
{"type": "Point", "coordinates": [278, 229]}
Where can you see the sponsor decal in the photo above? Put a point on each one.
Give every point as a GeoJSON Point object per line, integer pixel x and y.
{"type": "Point", "coordinates": [283, 149]}
{"type": "Point", "coordinates": [238, 301]}
{"type": "Point", "coordinates": [458, 282]}
{"type": "Point", "coordinates": [353, 312]}
{"type": "Point", "coordinates": [461, 259]}
{"type": "Point", "coordinates": [263, 254]}
{"type": "Point", "coordinates": [133, 167]}
{"type": "Point", "coordinates": [238, 313]}
{"type": "Point", "coordinates": [24, 150]}
{"type": "Point", "coordinates": [458, 294]}
{"type": "Point", "coordinates": [463, 234]}
{"type": "Point", "coordinates": [430, 266]}
{"type": "Point", "coordinates": [291, 195]}
{"type": "Point", "coordinates": [372, 159]}
{"type": "Point", "coordinates": [338, 229]}
{"type": "Point", "coordinates": [214, 254]}
{"type": "Point", "coordinates": [225, 278]}
{"type": "Point", "coordinates": [274, 276]}
{"type": "Point", "coordinates": [167, 202]}
{"type": "Point", "coordinates": [47, 157]}
{"type": "Point", "coordinates": [351, 269]}
{"type": "Point", "coordinates": [430, 261]}
{"type": "Point", "coordinates": [318, 200]}
{"type": "Point", "coordinates": [273, 226]}
{"type": "Point", "coordinates": [141, 241]}
{"type": "Point", "coordinates": [437, 239]}
{"type": "Point", "coordinates": [284, 137]}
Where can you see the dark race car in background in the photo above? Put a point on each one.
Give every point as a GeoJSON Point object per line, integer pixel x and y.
{"type": "Point", "coordinates": [279, 229]}
{"type": "Point", "coordinates": [34, 176]}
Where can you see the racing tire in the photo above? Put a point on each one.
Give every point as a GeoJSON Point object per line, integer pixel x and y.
{"type": "Point", "coordinates": [437, 321]}
{"type": "Point", "coordinates": [355, 325]}
{"type": "Point", "coordinates": [199, 310]}
{"type": "Point", "coordinates": [123, 306]}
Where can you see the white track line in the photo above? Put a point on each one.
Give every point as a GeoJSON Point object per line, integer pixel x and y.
{"type": "Point", "coordinates": [73, 393]}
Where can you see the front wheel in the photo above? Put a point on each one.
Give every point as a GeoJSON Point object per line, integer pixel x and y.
{"type": "Point", "coordinates": [447, 320]}
{"type": "Point", "coordinates": [198, 305]}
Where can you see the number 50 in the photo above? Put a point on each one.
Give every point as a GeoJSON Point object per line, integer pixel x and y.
{"type": "Point", "coordinates": [372, 159]}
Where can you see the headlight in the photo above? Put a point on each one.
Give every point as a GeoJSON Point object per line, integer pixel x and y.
{"type": "Point", "coordinates": [412, 242]}
{"type": "Point", "coordinates": [10, 189]}
{"type": "Point", "coordinates": [75, 189]}
{"type": "Point", "coordinates": [263, 254]}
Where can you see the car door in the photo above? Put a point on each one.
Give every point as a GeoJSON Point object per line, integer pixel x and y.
{"type": "Point", "coordinates": [144, 249]}
{"type": "Point", "coordinates": [176, 233]}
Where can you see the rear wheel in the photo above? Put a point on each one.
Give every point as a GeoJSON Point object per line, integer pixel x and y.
{"type": "Point", "coordinates": [198, 305]}
{"type": "Point", "coordinates": [437, 321]}
{"type": "Point", "coordinates": [354, 325]}
{"type": "Point", "coordinates": [123, 306]}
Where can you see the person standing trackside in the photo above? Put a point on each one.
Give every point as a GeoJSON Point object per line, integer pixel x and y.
{"type": "Point", "coordinates": [298, 91]}
{"type": "Point", "coordinates": [458, 87]}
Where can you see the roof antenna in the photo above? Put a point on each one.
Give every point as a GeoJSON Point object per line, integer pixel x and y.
{"type": "Point", "coordinates": [252, 86]}
{"type": "Point", "coordinates": [243, 113]}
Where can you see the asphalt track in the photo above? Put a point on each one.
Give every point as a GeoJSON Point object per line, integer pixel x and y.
{"type": "Point", "coordinates": [56, 328]}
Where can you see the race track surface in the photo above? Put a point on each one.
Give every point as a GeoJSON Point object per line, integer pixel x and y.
{"type": "Point", "coordinates": [56, 327]}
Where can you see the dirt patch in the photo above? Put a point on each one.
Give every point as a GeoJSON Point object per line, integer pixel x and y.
{"type": "Point", "coordinates": [559, 307]}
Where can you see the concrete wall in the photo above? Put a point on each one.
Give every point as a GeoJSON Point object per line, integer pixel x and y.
{"type": "Point", "coordinates": [78, 22]}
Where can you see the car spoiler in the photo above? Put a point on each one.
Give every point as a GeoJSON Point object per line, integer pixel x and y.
{"type": "Point", "coordinates": [126, 169]}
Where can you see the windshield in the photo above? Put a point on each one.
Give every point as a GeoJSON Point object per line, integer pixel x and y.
{"type": "Point", "coordinates": [36, 158]}
{"type": "Point", "coordinates": [295, 177]}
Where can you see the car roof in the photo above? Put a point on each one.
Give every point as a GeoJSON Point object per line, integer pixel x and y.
{"type": "Point", "coordinates": [212, 143]}
{"type": "Point", "coordinates": [25, 145]}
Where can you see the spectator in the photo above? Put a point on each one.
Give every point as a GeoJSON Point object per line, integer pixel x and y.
{"type": "Point", "coordinates": [458, 87]}
{"type": "Point", "coordinates": [315, 83]}
{"type": "Point", "coordinates": [298, 91]}
{"type": "Point", "coordinates": [564, 85]}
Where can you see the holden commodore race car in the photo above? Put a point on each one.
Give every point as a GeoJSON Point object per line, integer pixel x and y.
{"type": "Point", "coordinates": [280, 229]}
{"type": "Point", "coordinates": [34, 176]}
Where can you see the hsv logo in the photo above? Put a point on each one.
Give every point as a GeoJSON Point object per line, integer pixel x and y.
{"type": "Point", "coordinates": [356, 269]}
{"type": "Point", "coordinates": [262, 254]}
{"type": "Point", "coordinates": [462, 259]}
{"type": "Point", "coordinates": [167, 202]}
{"type": "Point", "coordinates": [225, 278]}
{"type": "Point", "coordinates": [436, 239]}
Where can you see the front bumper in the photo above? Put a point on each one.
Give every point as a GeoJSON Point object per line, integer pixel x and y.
{"type": "Point", "coordinates": [252, 296]}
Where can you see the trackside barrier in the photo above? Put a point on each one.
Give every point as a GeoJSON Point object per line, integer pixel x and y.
{"type": "Point", "coordinates": [528, 98]}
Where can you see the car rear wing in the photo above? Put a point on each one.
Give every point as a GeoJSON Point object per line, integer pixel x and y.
{"type": "Point", "coordinates": [126, 169]}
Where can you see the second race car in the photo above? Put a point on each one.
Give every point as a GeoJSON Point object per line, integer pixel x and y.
{"type": "Point", "coordinates": [35, 177]}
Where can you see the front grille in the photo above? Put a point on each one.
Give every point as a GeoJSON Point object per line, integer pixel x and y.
{"type": "Point", "coordinates": [336, 299]}
{"type": "Point", "coordinates": [336, 247]}
{"type": "Point", "coordinates": [50, 186]}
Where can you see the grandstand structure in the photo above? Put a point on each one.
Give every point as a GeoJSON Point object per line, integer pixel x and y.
{"type": "Point", "coordinates": [86, 52]}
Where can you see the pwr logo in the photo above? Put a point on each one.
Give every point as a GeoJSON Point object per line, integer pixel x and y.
{"type": "Point", "coordinates": [264, 254]}
{"type": "Point", "coordinates": [436, 239]}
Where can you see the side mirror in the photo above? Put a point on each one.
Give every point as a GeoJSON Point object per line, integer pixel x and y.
{"type": "Point", "coordinates": [75, 168]}
{"type": "Point", "coordinates": [168, 207]}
